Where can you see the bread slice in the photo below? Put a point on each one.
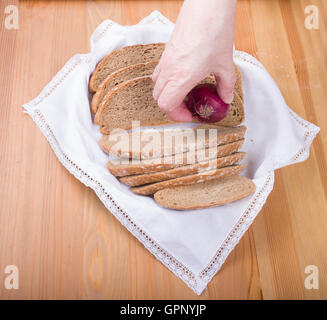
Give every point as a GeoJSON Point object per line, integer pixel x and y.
{"type": "Point", "coordinates": [122, 58]}
{"type": "Point", "coordinates": [131, 100]}
{"type": "Point", "coordinates": [190, 179]}
{"type": "Point", "coordinates": [120, 76]}
{"type": "Point", "coordinates": [206, 194]}
{"type": "Point", "coordinates": [120, 169]}
{"type": "Point", "coordinates": [138, 180]}
{"type": "Point", "coordinates": [156, 144]}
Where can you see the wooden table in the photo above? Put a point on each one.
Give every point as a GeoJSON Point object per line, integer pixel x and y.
{"type": "Point", "coordinates": [60, 236]}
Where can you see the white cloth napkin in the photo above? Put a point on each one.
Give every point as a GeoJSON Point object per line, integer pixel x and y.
{"type": "Point", "coordinates": [192, 244]}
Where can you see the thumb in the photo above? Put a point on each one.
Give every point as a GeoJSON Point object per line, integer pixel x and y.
{"type": "Point", "coordinates": [225, 85]}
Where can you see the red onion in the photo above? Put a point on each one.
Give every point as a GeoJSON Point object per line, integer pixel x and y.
{"type": "Point", "coordinates": [205, 104]}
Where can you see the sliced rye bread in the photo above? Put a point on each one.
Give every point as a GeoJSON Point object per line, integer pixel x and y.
{"type": "Point", "coordinates": [140, 70]}
{"type": "Point", "coordinates": [130, 100]}
{"type": "Point", "coordinates": [122, 58]}
{"type": "Point", "coordinates": [120, 168]}
{"type": "Point", "coordinates": [205, 194]}
{"type": "Point", "coordinates": [144, 145]}
{"type": "Point", "coordinates": [120, 76]}
{"type": "Point", "coordinates": [143, 69]}
{"type": "Point", "coordinates": [190, 179]}
{"type": "Point", "coordinates": [138, 180]}
{"type": "Point", "coordinates": [133, 100]}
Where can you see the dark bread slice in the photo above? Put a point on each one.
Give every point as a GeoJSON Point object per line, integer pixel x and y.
{"type": "Point", "coordinates": [206, 194]}
{"type": "Point", "coordinates": [190, 179]}
{"type": "Point", "coordinates": [120, 76]}
{"type": "Point", "coordinates": [137, 146]}
{"type": "Point", "coordinates": [120, 168]}
{"type": "Point", "coordinates": [122, 58]}
{"type": "Point", "coordinates": [141, 179]}
{"type": "Point", "coordinates": [133, 100]}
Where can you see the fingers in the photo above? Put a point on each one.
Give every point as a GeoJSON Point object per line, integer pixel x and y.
{"type": "Point", "coordinates": [171, 99]}
{"type": "Point", "coordinates": [226, 80]}
{"type": "Point", "coordinates": [171, 87]}
{"type": "Point", "coordinates": [181, 113]}
{"type": "Point", "coordinates": [156, 72]}
{"type": "Point", "coordinates": [160, 83]}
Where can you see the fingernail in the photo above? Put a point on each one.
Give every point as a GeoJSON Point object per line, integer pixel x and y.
{"type": "Point", "coordinates": [164, 105]}
{"type": "Point", "coordinates": [229, 99]}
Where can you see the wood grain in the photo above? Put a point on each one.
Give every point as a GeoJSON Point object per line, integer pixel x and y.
{"type": "Point", "coordinates": [65, 243]}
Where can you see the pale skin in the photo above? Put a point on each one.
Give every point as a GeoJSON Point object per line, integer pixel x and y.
{"type": "Point", "coordinates": [201, 43]}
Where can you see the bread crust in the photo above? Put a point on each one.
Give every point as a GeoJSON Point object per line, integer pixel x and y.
{"type": "Point", "coordinates": [238, 85]}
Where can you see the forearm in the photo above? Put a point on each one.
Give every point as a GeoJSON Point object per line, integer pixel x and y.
{"type": "Point", "coordinates": [213, 13]}
{"type": "Point", "coordinates": [201, 44]}
{"type": "Point", "coordinates": [203, 21]}
{"type": "Point", "coordinates": [211, 5]}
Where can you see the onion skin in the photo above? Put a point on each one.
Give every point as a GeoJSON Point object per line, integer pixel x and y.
{"type": "Point", "coordinates": [205, 104]}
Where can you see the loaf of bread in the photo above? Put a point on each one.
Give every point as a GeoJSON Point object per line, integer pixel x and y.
{"type": "Point", "coordinates": [184, 169]}
{"type": "Point", "coordinates": [205, 194]}
{"type": "Point", "coordinates": [190, 179]}
{"type": "Point", "coordinates": [201, 137]}
{"type": "Point", "coordinates": [120, 76]}
{"type": "Point", "coordinates": [120, 167]}
{"type": "Point", "coordinates": [122, 58]}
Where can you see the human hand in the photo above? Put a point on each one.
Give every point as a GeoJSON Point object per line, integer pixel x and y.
{"type": "Point", "coordinates": [201, 43]}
